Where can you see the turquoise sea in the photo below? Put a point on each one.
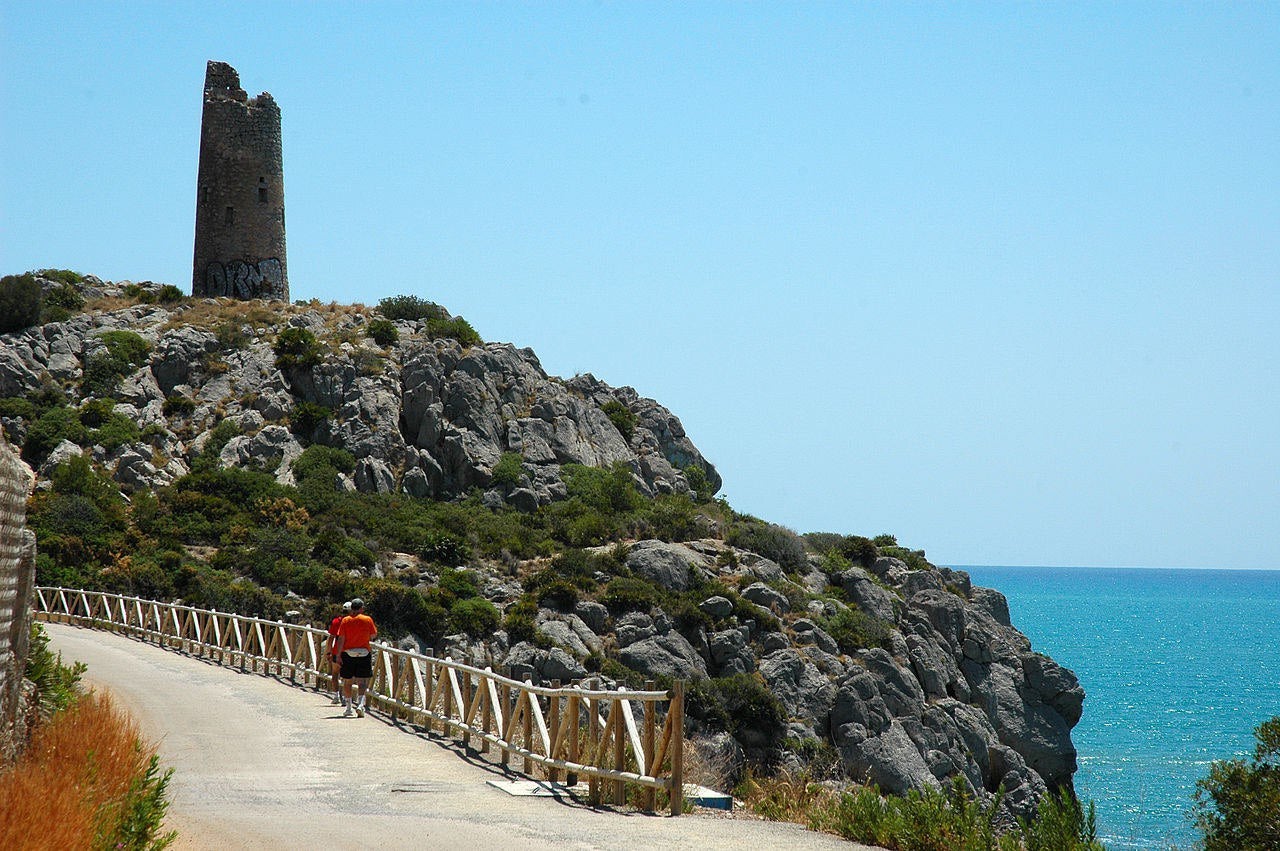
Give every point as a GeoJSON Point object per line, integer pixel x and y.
{"type": "Point", "coordinates": [1179, 666]}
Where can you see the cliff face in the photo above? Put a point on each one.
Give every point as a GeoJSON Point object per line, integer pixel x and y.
{"type": "Point", "coordinates": [907, 673]}
{"type": "Point", "coordinates": [426, 416]}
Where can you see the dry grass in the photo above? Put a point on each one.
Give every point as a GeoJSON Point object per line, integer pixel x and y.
{"type": "Point", "coordinates": [208, 314]}
{"type": "Point", "coordinates": [68, 788]}
{"type": "Point", "coordinates": [106, 304]}
{"type": "Point", "coordinates": [786, 797]}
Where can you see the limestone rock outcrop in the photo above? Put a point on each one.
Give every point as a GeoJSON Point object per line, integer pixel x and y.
{"type": "Point", "coordinates": [428, 417]}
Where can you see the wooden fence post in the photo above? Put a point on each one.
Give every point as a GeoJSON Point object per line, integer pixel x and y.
{"type": "Point", "coordinates": [619, 748]}
{"type": "Point", "coordinates": [504, 692]}
{"type": "Point", "coordinates": [594, 747]}
{"type": "Point", "coordinates": [528, 723]}
{"type": "Point", "coordinates": [677, 746]}
{"type": "Point", "coordinates": [650, 720]}
{"type": "Point", "coordinates": [486, 717]}
{"type": "Point", "coordinates": [464, 711]}
{"type": "Point", "coordinates": [553, 774]}
{"type": "Point", "coordinates": [575, 735]}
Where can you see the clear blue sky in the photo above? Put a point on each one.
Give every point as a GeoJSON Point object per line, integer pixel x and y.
{"type": "Point", "coordinates": [1002, 280]}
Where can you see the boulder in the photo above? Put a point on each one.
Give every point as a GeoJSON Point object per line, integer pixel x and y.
{"type": "Point", "coordinates": [669, 655]}
{"type": "Point", "coordinates": [868, 595]}
{"type": "Point", "coordinates": [730, 652]}
{"type": "Point", "coordinates": [890, 760]}
{"type": "Point", "coordinates": [717, 607]}
{"type": "Point", "coordinates": [667, 565]}
{"type": "Point", "coordinates": [633, 627]}
{"type": "Point", "coordinates": [766, 597]}
{"type": "Point", "coordinates": [593, 614]}
{"type": "Point", "coordinates": [804, 691]}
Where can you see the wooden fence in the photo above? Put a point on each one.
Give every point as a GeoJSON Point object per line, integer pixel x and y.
{"type": "Point", "coordinates": [612, 738]}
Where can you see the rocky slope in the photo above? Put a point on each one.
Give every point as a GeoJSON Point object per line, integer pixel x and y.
{"type": "Point", "coordinates": [429, 417]}
{"type": "Point", "coordinates": [909, 675]}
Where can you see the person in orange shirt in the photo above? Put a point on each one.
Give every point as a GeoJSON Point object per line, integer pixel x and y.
{"type": "Point", "coordinates": [354, 635]}
{"type": "Point", "coordinates": [335, 661]}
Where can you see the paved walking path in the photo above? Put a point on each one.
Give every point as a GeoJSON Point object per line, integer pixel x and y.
{"type": "Point", "coordinates": [260, 765]}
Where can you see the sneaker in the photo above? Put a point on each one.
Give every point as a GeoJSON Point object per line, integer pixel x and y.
{"type": "Point", "coordinates": [346, 713]}
{"type": "Point", "coordinates": [337, 698]}
{"type": "Point", "coordinates": [359, 710]}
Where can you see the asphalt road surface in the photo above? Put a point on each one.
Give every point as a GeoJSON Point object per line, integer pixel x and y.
{"type": "Point", "coordinates": [262, 765]}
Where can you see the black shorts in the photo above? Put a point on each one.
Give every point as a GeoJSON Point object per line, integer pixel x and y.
{"type": "Point", "coordinates": [357, 667]}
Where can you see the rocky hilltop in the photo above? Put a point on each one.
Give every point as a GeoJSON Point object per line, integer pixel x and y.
{"type": "Point", "coordinates": [829, 649]}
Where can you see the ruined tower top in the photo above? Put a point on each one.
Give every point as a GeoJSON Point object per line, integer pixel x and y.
{"type": "Point", "coordinates": [239, 245]}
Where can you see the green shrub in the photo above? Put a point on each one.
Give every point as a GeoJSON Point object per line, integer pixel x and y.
{"type": "Point", "coordinates": [125, 351]}
{"type": "Point", "coordinates": [296, 348]}
{"type": "Point", "coordinates": [607, 491]}
{"type": "Point", "coordinates": [334, 548]}
{"type": "Point", "coordinates": [323, 461]}
{"type": "Point", "coordinates": [674, 517]}
{"type": "Point", "coordinates": [1237, 806]}
{"type": "Point", "coordinates": [859, 550]}
{"type": "Point", "coordinates": [627, 594]}
{"type": "Point", "coordinates": [168, 294]}
{"type": "Point", "coordinates": [17, 406]}
{"type": "Point", "coordinates": [19, 302]}
{"type": "Point", "coordinates": [769, 540]}
{"type": "Point", "coordinates": [519, 621]}
{"type": "Point", "coordinates": [459, 584]}
{"type": "Point", "coordinates": [445, 549]}
{"type": "Point", "coordinates": [456, 328]}
{"type": "Point", "coordinates": [475, 616]}
{"type": "Point", "coordinates": [853, 549]}
{"type": "Point", "coordinates": [126, 347]}
{"type": "Point", "coordinates": [853, 630]}
{"type": "Point", "coordinates": [115, 432]}
{"type": "Point", "coordinates": [306, 417]}
{"type": "Point", "coordinates": [559, 594]}
{"type": "Point", "coordinates": [54, 426]}
{"type": "Point", "coordinates": [952, 820]}
{"type": "Point", "coordinates": [914, 559]}
{"type": "Point", "coordinates": [509, 470]}
{"type": "Point", "coordinates": [622, 418]}
{"type": "Point", "coordinates": [142, 812]}
{"type": "Point", "coordinates": [755, 716]}
{"type": "Point", "coordinates": [60, 303]}
{"type": "Point", "coordinates": [57, 685]}
{"type": "Point", "coordinates": [62, 276]}
{"type": "Point", "coordinates": [398, 609]}
{"type": "Point", "coordinates": [95, 412]}
{"type": "Point", "coordinates": [410, 307]}
{"type": "Point", "coordinates": [698, 483]}
{"type": "Point", "coordinates": [383, 332]}
{"type": "Point", "coordinates": [177, 405]}
{"type": "Point", "coordinates": [101, 376]}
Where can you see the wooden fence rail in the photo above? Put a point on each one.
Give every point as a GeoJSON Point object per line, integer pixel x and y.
{"type": "Point", "coordinates": [612, 738]}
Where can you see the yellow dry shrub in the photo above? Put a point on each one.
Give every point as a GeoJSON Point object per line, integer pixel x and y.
{"type": "Point", "coordinates": [69, 784]}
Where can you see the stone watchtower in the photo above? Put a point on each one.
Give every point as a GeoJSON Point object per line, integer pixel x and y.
{"type": "Point", "coordinates": [240, 193]}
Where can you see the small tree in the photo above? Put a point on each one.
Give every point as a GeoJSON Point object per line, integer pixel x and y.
{"type": "Point", "coordinates": [383, 332]}
{"type": "Point", "coordinates": [19, 302]}
{"type": "Point", "coordinates": [623, 419]}
{"type": "Point", "coordinates": [296, 348]}
{"type": "Point", "coordinates": [1237, 807]}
